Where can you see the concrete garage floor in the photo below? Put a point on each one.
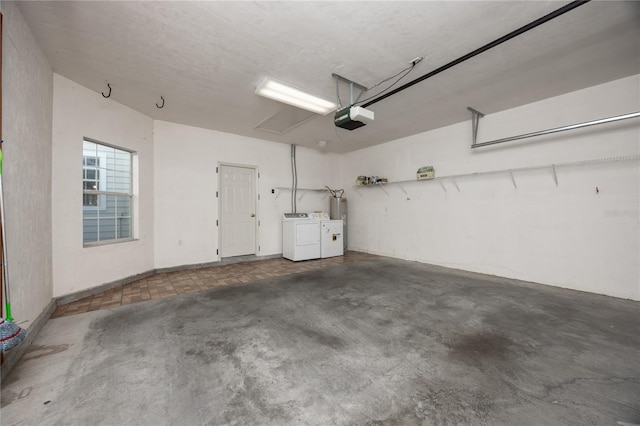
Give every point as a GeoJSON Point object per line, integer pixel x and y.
{"type": "Point", "coordinates": [383, 342]}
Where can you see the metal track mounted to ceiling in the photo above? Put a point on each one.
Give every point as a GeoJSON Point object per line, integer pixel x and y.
{"type": "Point", "coordinates": [558, 12]}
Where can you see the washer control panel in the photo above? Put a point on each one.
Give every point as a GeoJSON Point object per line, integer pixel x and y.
{"type": "Point", "coordinates": [319, 216]}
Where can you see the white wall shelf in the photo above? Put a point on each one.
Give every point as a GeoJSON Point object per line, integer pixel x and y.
{"type": "Point", "coordinates": [453, 178]}
{"type": "Point", "coordinates": [302, 191]}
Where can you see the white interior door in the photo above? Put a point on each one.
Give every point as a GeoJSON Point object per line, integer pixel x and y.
{"type": "Point", "coordinates": [237, 211]}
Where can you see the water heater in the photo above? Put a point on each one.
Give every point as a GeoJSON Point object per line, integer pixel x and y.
{"type": "Point", "coordinates": [338, 211]}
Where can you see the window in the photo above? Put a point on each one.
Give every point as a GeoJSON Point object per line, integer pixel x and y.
{"type": "Point", "coordinates": [107, 199]}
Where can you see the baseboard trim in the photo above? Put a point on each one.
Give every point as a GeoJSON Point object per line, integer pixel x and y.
{"type": "Point", "coordinates": [12, 356]}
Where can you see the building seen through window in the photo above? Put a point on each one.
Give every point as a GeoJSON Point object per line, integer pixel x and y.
{"type": "Point", "coordinates": [107, 199]}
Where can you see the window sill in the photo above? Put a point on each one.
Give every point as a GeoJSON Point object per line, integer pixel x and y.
{"type": "Point", "coordinates": [108, 242]}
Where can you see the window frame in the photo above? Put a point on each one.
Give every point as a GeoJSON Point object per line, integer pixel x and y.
{"type": "Point", "coordinates": [103, 194]}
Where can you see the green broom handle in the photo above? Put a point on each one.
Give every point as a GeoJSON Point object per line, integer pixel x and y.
{"type": "Point", "coordinates": [5, 273]}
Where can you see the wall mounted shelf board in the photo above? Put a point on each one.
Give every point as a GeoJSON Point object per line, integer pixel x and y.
{"type": "Point", "coordinates": [453, 178]}
{"type": "Point", "coordinates": [302, 191]}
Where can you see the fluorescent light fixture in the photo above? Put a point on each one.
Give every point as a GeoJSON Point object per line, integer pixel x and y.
{"type": "Point", "coordinates": [282, 93]}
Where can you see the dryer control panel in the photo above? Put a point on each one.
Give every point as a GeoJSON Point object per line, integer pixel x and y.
{"type": "Point", "coordinates": [296, 216]}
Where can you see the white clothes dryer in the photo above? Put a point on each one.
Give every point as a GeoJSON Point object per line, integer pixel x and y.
{"type": "Point", "coordinates": [301, 236]}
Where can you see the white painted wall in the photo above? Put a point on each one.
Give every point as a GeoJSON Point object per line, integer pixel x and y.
{"type": "Point", "coordinates": [26, 178]}
{"type": "Point", "coordinates": [186, 209]}
{"type": "Point", "coordinates": [77, 113]}
{"type": "Point", "coordinates": [567, 236]}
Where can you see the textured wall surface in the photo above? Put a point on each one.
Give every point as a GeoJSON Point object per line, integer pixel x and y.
{"type": "Point", "coordinates": [570, 235]}
{"type": "Point", "coordinates": [77, 113]}
{"type": "Point", "coordinates": [26, 121]}
{"type": "Point", "coordinates": [186, 207]}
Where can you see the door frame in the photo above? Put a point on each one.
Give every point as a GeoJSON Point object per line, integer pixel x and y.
{"type": "Point", "coordinates": [256, 182]}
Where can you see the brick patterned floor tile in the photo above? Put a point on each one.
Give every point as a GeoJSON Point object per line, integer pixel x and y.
{"type": "Point", "coordinates": [169, 284]}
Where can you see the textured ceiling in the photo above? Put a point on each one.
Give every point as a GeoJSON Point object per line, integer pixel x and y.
{"type": "Point", "coordinates": [205, 58]}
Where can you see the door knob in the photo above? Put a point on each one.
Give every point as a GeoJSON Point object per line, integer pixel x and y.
{"type": "Point", "coordinates": [253, 215]}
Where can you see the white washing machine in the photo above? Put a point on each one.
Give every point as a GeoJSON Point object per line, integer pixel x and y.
{"type": "Point", "coordinates": [301, 236]}
{"type": "Point", "coordinates": [331, 237]}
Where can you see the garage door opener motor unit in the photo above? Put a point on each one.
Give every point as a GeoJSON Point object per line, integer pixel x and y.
{"type": "Point", "coordinates": [352, 117]}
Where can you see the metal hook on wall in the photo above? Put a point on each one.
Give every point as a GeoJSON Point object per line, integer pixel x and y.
{"type": "Point", "coordinates": [161, 106]}
{"type": "Point", "coordinates": [106, 96]}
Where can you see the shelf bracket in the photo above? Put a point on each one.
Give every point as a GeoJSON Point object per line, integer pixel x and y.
{"type": "Point", "coordinates": [455, 183]}
{"type": "Point", "coordinates": [382, 187]}
{"type": "Point", "coordinates": [475, 121]}
{"type": "Point", "coordinates": [513, 180]}
{"type": "Point", "coordinates": [405, 192]}
{"type": "Point", "coordinates": [555, 175]}
{"type": "Point", "coordinates": [443, 187]}
{"type": "Point", "coordinates": [554, 130]}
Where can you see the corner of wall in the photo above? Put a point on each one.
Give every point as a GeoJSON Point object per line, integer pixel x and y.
{"type": "Point", "coordinates": [27, 132]}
